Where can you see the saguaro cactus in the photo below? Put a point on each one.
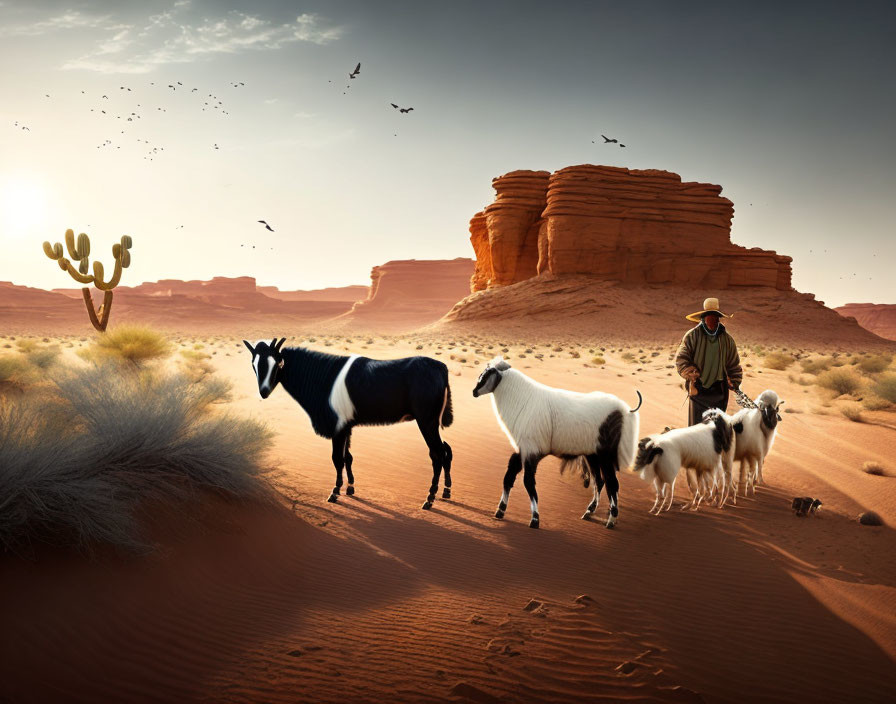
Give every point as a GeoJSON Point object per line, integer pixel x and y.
{"type": "Point", "coordinates": [80, 251]}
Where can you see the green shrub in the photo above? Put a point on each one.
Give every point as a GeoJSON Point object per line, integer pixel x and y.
{"type": "Point", "coordinates": [841, 380]}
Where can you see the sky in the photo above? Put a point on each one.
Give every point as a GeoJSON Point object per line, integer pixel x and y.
{"type": "Point", "coordinates": [789, 107]}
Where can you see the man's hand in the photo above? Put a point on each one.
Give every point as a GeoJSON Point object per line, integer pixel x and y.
{"type": "Point", "coordinates": [692, 375]}
{"type": "Point", "coordinates": [733, 385]}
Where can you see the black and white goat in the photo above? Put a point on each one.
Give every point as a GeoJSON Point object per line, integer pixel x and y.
{"type": "Point", "coordinates": [705, 450]}
{"type": "Point", "coordinates": [595, 431]}
{"type": "Point", "coordinates": [756, 429]}
{"type": "Point", "coordinates": [339, 392]}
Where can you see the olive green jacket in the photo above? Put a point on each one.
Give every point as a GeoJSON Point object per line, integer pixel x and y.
{"type": "Point", "coordinates": [693, 348]}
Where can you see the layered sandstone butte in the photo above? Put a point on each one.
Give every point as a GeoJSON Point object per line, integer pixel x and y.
{"type": "Point", "coordinates": [615, 224]}
{"type": "Point", "coordinates": [409, 293]}
{"type": "Point", "coordinates": [879, 318]}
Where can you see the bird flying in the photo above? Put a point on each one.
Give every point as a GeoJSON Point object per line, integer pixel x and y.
{"type": "Point", "coordinates": [266, 225]}
{"type": "Point", "coordinates": [607, 139]}
{"type": "Point", "coordinates": [356, 71]}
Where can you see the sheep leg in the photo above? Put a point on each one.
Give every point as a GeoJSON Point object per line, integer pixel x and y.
{"type": "Point", "coordinates": [338, 457]}
{"type": "Point", "coordinates": [597, 483]}
{"type": "Point", "coordinates": [530, 464]}
{"type": "Point", "coordinates": [612, 483]}
{"type": "Point", "coordinates": [514, 466]}
{"type": "Point", "coordinates": [693, 487]}
{"type": "Point", "coordinates": [671, 486]}
{"type": "Point", "coordinates": [657, 487]}
{"type": "Point", "coordinates": [436, 455]}
{"type": "Point", "coordinates": [759, 480]}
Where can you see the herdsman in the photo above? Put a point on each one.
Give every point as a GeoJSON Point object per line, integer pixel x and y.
{"type": "Point", "coordinates": [708, 361]}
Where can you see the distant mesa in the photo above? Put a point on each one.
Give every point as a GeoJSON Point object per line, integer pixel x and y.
{"type": "Point", "coordinates": [879, 318]}
{"type": "Point", "coordinates": [615, 224]}
{"type": "Point", "coordinates": [625, 254]}
{"type": "Point", "coordinates": [406, 294]}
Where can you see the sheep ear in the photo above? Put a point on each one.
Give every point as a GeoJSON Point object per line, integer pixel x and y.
{"type": "Point", "coordinates": [250, 347]}
{"type": "Point", "coordinates": [781, 402]}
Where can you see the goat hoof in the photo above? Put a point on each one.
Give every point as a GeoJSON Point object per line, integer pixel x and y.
{"type": "Point", "coordinates": [446, 493]}
{"type": "Point", "coordinates": [533, 523]}
{"type": "Point", "coordinates": [332, 499]}
{"type": "Point", "coordinates": [499, 514]}
{"type": "Point", "coordinates": [586, 516]}
{"type": "Point", "coordinates": [427, 505]}
{"type": "Point", "coordinates": [349, 490]}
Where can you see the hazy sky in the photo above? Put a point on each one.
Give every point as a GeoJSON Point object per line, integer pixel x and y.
{"type": "Point", "coordinates": [790, 107]}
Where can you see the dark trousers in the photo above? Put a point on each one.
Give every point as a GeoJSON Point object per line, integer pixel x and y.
{"type": "Point", "coordinates": [715, 396]}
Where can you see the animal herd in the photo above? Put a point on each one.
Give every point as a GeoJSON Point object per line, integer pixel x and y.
{"type": "Point", "coordinates": [594, 434]}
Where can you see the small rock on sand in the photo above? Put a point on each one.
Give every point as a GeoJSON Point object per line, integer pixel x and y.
{"type": "Point", "coordinates": [683, 694]}
{"type": "Point", "coordinates": [584, 599]}
{"type": "Point", "coordinates": [473, 693]}
{"type": "Point", "coordinates": [476, 619]}
{"type": "Point", "coordinates": [533, 605]}
{"type": "Point", "coordinates": [628, 667]}
{"type": "Point", "coordinates": [870, 518]}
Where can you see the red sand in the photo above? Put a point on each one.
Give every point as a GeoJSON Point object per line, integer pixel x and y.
{"type": "Point", "coordinates": [374, 600]}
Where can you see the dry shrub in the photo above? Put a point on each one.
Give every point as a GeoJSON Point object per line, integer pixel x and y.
{"type": "Point", "coordinates": [130, 343]}
{"type": "Point", "coordinates": [875, 403]}
{"type": "Point", "coordinates": [853, 411]}
{"type": "Point", "coordinates": [598, 360]}
{"type": "Point", "coordinates": [77, 465]}
{"type": "Point", "coordinates": [26, 346]}
{"type": "Point", "coordinates": [841, 380]}
{"type": "Point", "coordinates": [13, 367]}
{"type": "Point", "coordinates": [817, 365]}
{"type": "Point", "coordinates": [44, 357]}
{"type": "Point", "coordinates": [777, 360]}
{"type": "Point", "coordinates": [874, 468]}
{"type": "Point", "coordinates": [875, 364]}
{"type": "Point", "coordinates": [885, 386]}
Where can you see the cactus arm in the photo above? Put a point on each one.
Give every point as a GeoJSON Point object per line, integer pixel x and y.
{"type": "Point", "coordinates": [88, 301]}
{"type": "Point", "coordinates": [105, 309]}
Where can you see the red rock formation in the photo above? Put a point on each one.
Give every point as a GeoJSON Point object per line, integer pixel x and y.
{"type": "Point", "coordinates": [615, 224]}
{"type": "Point", "coordinates": [345, 294]}
{"type": "Point", "coordinates": [410, 293]}
{"type": "Point", "coordinates": [879, 318]}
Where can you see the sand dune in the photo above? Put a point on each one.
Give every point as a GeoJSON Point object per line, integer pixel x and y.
{"type": "Point", "coordinates": [372, 599]}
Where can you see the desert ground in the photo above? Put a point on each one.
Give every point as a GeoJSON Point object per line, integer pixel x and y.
{"type": "Point", "coordinates": [373, 599]}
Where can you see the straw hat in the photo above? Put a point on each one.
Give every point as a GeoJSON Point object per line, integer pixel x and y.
{"type": "Point", "coordinates": [710, 305]}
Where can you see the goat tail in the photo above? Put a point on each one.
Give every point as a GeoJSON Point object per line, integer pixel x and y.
{"type": "Point", "coordinates": [640, 401]}
{"type": "Point", "coordinates": [447, 416]}
{"type": "Point", "coordinates": [577, 464]}
{"type": "Point", "coordinates": [628, 440]}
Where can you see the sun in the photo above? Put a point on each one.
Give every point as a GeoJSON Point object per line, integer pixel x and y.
{"type": "Point", "coordinates": [23, 207]}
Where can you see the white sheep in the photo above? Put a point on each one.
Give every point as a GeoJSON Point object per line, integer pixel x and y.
{"type": "Point", "coordinates": [597, 432]}
{"type": "Point", "coordinates": [705, 450]}
{"type": "Point", "coordinates": [755, 430]}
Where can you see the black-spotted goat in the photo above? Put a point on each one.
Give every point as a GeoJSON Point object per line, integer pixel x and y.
{"type": "Point", "coordinates": [339, 392]}
{"type": "Point", "coordinates": [595, 431]}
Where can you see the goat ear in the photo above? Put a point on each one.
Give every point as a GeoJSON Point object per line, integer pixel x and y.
{"type": "Point", "coordinates": [251, 348]}
{"type": "Point", "coordinates": [280, 344]}
{"type": "Point", "coordinates": [274, 342]}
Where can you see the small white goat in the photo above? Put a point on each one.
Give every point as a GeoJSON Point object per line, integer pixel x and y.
{"type": "Point", "coordinates": [597, 432]}
{"type": "Point", "coordinates": [704, 450]}
{"type": "Point", "coordinates": [755, 430]}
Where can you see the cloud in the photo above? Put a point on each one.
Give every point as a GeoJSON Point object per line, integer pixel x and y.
{"type": "Point", "coordinates": [67, 20]}
{"type": "Point", "coordinates": [169, 37]}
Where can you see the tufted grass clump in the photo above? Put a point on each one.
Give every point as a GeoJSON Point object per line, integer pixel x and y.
{"type": "Point", "coordinates": [598, 361]}
{"type": "Point", "coordinates": [129, 343]}
{"type": "Point", "coordinates": [874, 468]}
{"type": "Point", "coordinates": [853, 411]}
{"type": "Point", "coordinates": [842, 380]}
{"type": "Point", "coordinates": [777, 360]}
{"type": "Point", "coordinates": [885, 387]}
{"type": "Point", "coordinates": [79, 462]}
{"type": "Point", "coordinates": [874, 364]}
{"type": "Point", "coordinates": [817, 365]}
